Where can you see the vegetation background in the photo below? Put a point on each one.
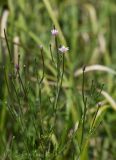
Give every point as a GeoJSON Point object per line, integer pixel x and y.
{"type": "Point", "coordinates": [88, 28]}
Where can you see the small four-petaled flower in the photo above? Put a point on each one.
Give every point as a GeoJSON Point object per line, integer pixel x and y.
{"type": "Point", "coordinates": [54, 32]}
{"type": "Point", "coordinates": [63, 49]}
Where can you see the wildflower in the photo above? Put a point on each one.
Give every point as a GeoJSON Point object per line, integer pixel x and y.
{"type": "Point", "coordinates": [54, 32]}
{"type": "Point", "coordinates": [63, 49]}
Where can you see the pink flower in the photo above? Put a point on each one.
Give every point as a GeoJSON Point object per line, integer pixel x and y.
{"type": "Point", "coordinates": [63, 49]}
{"type": "Point", "coordinates": [54, 32]}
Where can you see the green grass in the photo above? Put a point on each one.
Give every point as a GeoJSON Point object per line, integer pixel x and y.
{"type": "Point", "coordinates": [51, 108]}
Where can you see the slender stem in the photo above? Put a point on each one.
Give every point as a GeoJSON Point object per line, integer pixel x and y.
{"type": "Point", "coordinates": [24, 89]}
{"type": "Point", "coordinates": [83, 123]}
{"type": "Point", "coordinates": [58, 75]}
{"type": "Point", "coordinates": [43, 65]}
{"type": "Point", "coordinates": [58, 62]}
{"type": "Point", "coordinates": [21, 112]}
{"type": "Point", "coordinates": [51, 54]}
{"type": "Point", "coordinates": [83, 86]}
{"type": "Point", "coordinates": [92, 125]}
{"type": "Point", "coordinates": [85, 108]}
{"type": "Point", "coordinates": [8, 46]}
{"type": "Point", "coordinates": [59, 87]}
